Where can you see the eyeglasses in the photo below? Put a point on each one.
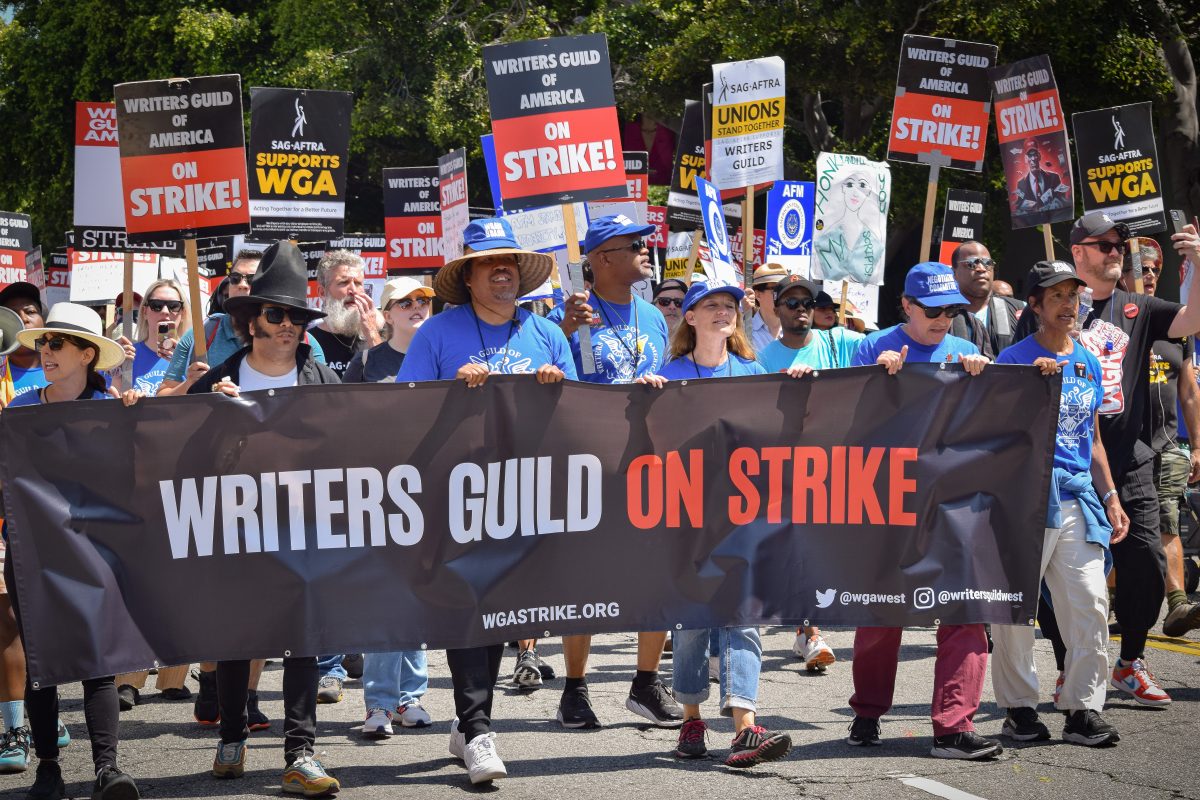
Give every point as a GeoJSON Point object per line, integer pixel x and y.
{"type": "Point", "coordinates": [55, 343]}
{"type": "Point", "coordinates": [663, 302]}
{"type": "Point", "coordinates": [237, 278]}
{"type": "Point", "coordinates": [1106, 247]}
{"type": "Point", "coordinates": [169, 305]}
{"type": "Point", "coordinates": [792, 303]}
{"type": "Point", "coordinates": [407, 302]}
{"type": "Point", "coordinates": [933, 313]}
{"type": "Point", "coordinates": [636, 247]}
{"type": "Point", "coordinates": [275, 315]}
{"type": "Point", "coordinates": [977, 262]}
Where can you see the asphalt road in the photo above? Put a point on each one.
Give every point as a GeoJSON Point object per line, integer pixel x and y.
{"type": "Point", "coordinates": [171, 756]}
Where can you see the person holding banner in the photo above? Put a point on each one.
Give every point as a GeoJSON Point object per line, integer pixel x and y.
{"type": "Point", "coordinates": [73, 353]}
{"type": "Point", "coordinates": [629, 342]}
{"type": "Point", "coordinates": [485, 333]}
{"type": "Point", "coordinates": [795, 302]}
{"type": "Point", "coordinates": [22, 369]}
{"type": "Point", "coordinates": [931, 301]}
{"type": "Point", "coordinates": [712, 343]}
{"type": "Point", "coordinates": [271, 319]}
{"type": "Point", "coordinates": [1080, 527]}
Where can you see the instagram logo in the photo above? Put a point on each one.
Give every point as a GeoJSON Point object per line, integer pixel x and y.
{"type": "Point", "coordinates": [923, 598]}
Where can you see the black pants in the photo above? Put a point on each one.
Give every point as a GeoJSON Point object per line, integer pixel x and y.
{"type": "Point", "coordinates": [299, 703]}
{"type": "Point", "coordinates": [100, 707]}
{"type": "Point", "coordinates": [474, 671]}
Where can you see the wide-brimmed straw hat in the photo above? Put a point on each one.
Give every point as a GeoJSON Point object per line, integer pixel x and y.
{"type": "Point", "coordinates": [72, 319]}
{"type": "Point", "coordinates": [491, 237]}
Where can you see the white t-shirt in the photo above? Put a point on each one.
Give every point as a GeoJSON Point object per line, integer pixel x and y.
{"type": "Point", "coordinates": [252, 379]}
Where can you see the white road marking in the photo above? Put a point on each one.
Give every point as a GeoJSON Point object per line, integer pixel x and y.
{"type": "Point", "coordinates": [937, 789]}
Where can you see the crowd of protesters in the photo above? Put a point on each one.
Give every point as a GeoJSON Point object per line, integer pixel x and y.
{"type": "Point", "coordinates": [1120, 466]}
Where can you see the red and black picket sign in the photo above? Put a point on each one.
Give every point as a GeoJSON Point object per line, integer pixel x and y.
{"type": "Point", "coordinates": [412, 219]}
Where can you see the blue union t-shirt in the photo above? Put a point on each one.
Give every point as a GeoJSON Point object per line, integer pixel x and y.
{"type": "Point", "coordinates": [148, 369]}
{"type": "Point", "coordinates": [1082, 393]}
{"type": "Point", "coordinates": [894, 338]}
{"type": "Point", "coordinates": [26, 380]}
{"type": "Point", "coordinates": [456, 337]}
{"type": "Point", "coordinates": [683, 368]}
{"type": "Point", "coordinates": [830, 349]}
{"type": "Point", "coordinates": [629, 341]}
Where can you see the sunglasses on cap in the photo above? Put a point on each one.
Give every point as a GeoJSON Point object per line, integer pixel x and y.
{"type": "Point", "coordinates": [55, 343]}
{"type": "Point", "coordinates": [663, 302]}
{"type": "Point", "coordinates": [275, 315]}
{"type": "Point", "coordinates": [792, 303]}
{"type": "Point", "coordinates": [169, 305]}
{"type": "Point", "coordinates": [1106, 247]}
{"type": "Point", "coordinates": [635, 247]}
{"type": "Point", "coordinates": [236, 278]}
{"type": "Point", "coordinates": [976, 263]}
{"type": "Point", "coordinates": [933, 313]}
{"type": "Point", "coordinates": [407, 302]}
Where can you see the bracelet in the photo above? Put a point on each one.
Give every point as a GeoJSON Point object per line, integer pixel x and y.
{"type": "Point", "coordinates": [1107, 495]}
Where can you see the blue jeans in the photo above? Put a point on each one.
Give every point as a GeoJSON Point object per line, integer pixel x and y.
{"type": "Point", "coordinates": [392, 680]}
{"type": "Point", "coordinates": [331, 665]}
{"type": "Point", "coordinates": [741, 663]}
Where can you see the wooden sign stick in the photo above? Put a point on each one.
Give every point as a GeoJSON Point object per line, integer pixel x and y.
{"type": "Point", "coordinates": [199, 345]}
{"type": "Point", "coordinates": [693, 255]}
{"type": "Point", "coordinates": [930, 202]}
{"type": "Point", "coordinates": [842, 304]}
{"type": "Point", "coordinates": [575, 275]}
{"type": "Point", "coordinates": [1048, 240]}
{"type": "Point", "coordinates": [127, 318]}
{"type": "Point", "coordinates": [1135, 256]}
{"type": "Point", "coordinates": [748, 238]}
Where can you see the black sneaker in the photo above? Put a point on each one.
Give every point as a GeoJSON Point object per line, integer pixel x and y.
{"type": "Point", "coordinates": [176, 693]}
{"type": "Point", "coordinates": [112, 784]}
{"type": "Point", "coordinates": [256, 720]}
{"type": "Point", "coordinates": [353, 664]}
{"type": "Point", "coordinates": [1181, 619]}
{"type": "Point", "coordinates": [1022, 724]}
{"type": "Point", "coordinates": [655, 703]}
{"type": "Point", "coordinates": [207, 710]}
{"type": "Point", "coordinates": [526, 675]}
{"type": "Point", "coordinates": [575, 709]}
{"type": "Point", "coordinates": [968, 746]}
{"type": "Point", "coordinates": [1089, 729]}
{"type": "Point", "coordinates": [544, 668]}
{"type": "Point", "coordinates": [756, 744]}
{"type": "Point", "coordinates": [48, 785]}
{"type": "Point", "coordinates": [864, 731]}
{"type": "Point", "coordinates": [691, 740]}
{"type": "Point", "coordinates": [127, 697]}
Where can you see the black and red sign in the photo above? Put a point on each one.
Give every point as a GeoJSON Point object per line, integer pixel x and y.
{"type": "Point", "coordinates": [412, 219]}
{"type": "Point", "coordinates": [940, 115]}
{"type": "Point", "coordinates": [554, 119]}
{"type": "Point", "coordinates": [963, 221]}
{"type": "Point", "coordinates": [452, 191]}
{"type": "Point", "coordinates": [183, 157]}
{"type": "Point", "coordinates": [16, 239]}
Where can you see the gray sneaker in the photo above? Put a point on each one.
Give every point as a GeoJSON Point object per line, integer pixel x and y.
{"type": "Point", "coordinates": [329, 690]}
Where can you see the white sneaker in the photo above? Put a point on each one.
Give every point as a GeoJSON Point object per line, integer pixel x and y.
{"type": "Point", "coordinates": [714, 669]}
{"type": "Point", "coordinates": [413, 716]}
{"type": "Point", "coordinates": [483, 762]}
{"type": "Point", "coordinates": [458, 742]}
{"type": "Point", "coordinates": [378, 724]}
{"type": "Point", "coordinates": [817, 655]}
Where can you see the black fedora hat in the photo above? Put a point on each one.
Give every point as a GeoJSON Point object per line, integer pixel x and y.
{"type": "Point", "coordinates": [282, 279]}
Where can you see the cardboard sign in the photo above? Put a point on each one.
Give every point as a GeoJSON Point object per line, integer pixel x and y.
{"type": "Point", "coordinates": [1032, 130]}
{"type": "Point", "coordinates": [863, 301]}
{"type": "Point", "coordinates": [637, 181]}
{"type": "Point", "coordinates": [737, 250]}
{"type": "Point", "coordinates": [747, 122]}
{"type": "Point", "coordinates": [657, 216]}
{"type": "Point", "coordinates": [97, 278]}
{"type": "Point", "coordinates": [790, 206]}
{"type": "Point", "coordinates": [679, 246]}
{"type": "Point", "coordinates": [718, 237]}
{"type": "Point", "coordinates": [683, 204]}
{"type": "Point", "coordinates": [1118, 166]}
{"type": "Point", "coordinates": [183, 157]}
{"type": "Point", "coordinates": [554, 119]}
{"type": "Point", "coordinates": [963, 221]}
{"type": "Point", "coordinates": [942, 106]}
{"type": "Point", "coordinates": [412, 219]}
{"type": "Point", "coordinates": [372, 249]}
{"type": "Point", "coordinates": [850, 226]}
{"type": "Point", "coordinates": [16, 239]}
{"type": "Point", "coordinates": [58, 278]}
{"type": "Point", "coordinates": [35, 270]}
{"type": "Point", "coordinates": [299, 149]}
{"type": "Point", "coordinates": [452, 193]}
{"type": "Point", "coordinates": [99, 212]}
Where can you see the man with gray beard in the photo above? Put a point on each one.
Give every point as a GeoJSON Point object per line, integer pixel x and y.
{"type": "Point", "coordinates": [351, 324]}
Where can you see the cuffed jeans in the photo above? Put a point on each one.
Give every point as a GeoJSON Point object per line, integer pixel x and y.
{"type": "Point", "coordinates": [1073, 569]}
{"type": "Point", "coordinates": [331, 666]}
{"type": "Point", "coordinates": [299, 703]}
{"type": "Point", "coordinates": [392, 680]}
{"type": "Point", "coordinates": [958, 674]}
{"type": "Point", "coordinates": [741, 662]}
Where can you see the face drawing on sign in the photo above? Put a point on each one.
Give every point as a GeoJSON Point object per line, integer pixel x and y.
{"type": "Point", "coordinates": [1041, 189]}
{"type": "Point", "coordinates": [851, 226]}
{"type": "Point", "coordinates": [298, 127]}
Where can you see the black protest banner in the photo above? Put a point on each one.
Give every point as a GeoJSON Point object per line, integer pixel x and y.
{"type": "Point", "coordinates": [1032, 129]}
{"type": "Point", "coordinates": [183, 157]}
{"type": "Point", "coordinates": [16, 239]}
{"type": "Point", "coordinates": [299, 150]}
{"type": "Point", "coordinates": [554, 121]}
{"type": "Point", "coordinates": [452, 193]}
{"type": "Point", "coordinates": [940, 115]}
{"type": "Point", "coordinates": [683, 205]}
{"type": "Point", "coordinates": [1118, 166]}
{"type": "Point", "coordinates": [852, 498]}
{"type": "Point", "coordinates": [412, 219]}
{"type": "Point", "coordinates": [963, 221]}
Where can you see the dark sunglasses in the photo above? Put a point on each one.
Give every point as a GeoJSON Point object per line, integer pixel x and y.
{"type": "Point", "coordinates": [635, 247]}
{"type": "Point", "coordinates": [1106, 247]}
{"type": "Point", "coordinates": [792, 303]}
{"type": "Point", "coordinates": [275, 315]}
{"type": "Point", "coordinates": [933, 313]}
{"type": "Point", "coordinates": [976, 263]}
{"type": "Point", "coordinates": [55, 343]}
{"type": "Point", "coordinates": [1151, 270]}
{"type": "Point", "coordinates": [169, 305]}
{"type": "Point", "coordinates": [663, 302]}
{"type": "Point", "coordinates": [236, 278]}
{"type": "Point", "coordinates": [407, 302]}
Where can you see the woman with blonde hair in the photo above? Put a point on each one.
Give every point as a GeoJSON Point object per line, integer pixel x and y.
{"type": "Point", "coordinates": [162, 318]}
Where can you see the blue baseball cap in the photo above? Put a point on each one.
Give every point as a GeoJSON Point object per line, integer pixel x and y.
{"type": "Point", "coordinates": [490, 233]}
{"type": "Point", "coordinates": [933, 284]}
{"type": "Point", "coordinates": [702, 289]}
{"type": "Point", "coordinates": [605, 228]}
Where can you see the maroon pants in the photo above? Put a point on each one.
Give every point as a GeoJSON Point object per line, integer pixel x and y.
{"type": "Point", "coordinates": [958, 674]}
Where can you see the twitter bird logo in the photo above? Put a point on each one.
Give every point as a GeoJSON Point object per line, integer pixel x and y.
{"type": "Point", "coordinates": [825, 598]}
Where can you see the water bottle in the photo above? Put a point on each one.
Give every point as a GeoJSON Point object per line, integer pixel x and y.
{"type": "Point", "coordinates": [1085, 307]}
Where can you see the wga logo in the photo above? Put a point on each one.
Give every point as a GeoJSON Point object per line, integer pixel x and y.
{"type": "Point", "coordinates": [825, 598]}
